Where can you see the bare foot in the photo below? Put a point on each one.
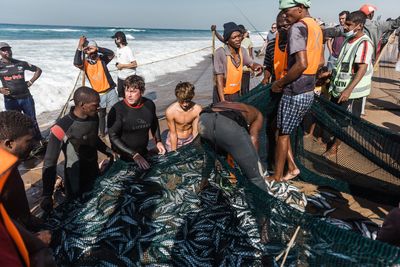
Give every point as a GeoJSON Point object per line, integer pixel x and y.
{"type": "Point", "coordinates": [272, 178]}
{"type": "Point", "coordinates": [291, 174]}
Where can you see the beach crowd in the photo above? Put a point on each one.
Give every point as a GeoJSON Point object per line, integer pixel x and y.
{"type": "Point", "coordinates": [294, 64]}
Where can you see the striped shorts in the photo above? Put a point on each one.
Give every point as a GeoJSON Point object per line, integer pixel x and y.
{"type": "Point", "coordinates": [292, 110]}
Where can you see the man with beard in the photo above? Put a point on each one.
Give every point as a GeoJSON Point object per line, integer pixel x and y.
{"type": "Point", "coordinates": [228, 65]}
{"type": "Point", "coordinates": [130, 121]}
{"type": "Point", "coordinates": [95, 68]}
{"type": "Point", "coordinates": [15, 89]}
{"type": "Point", "coordinates": [182, 117]}
{"type": "Point", "coordinates": [305, 57]}
{"type": "Point", "coordinates": [126, 62]}
{"type": "Point", "coordinates": [16, 137]}
{"type": "Point", "coordinates": [76, 135]}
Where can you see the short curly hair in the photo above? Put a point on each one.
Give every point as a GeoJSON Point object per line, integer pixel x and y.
{"type": "Point", "coordinates": [135, 81]}
{"type": "Point", "coordinates": [184, 91]}
{"type": "Point", "coordinates": [14, 124]}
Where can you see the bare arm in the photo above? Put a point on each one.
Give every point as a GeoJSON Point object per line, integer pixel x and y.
{"type": "Point", "coordinates": [329, 43]}
{"type": "Point", "coordinates": [131, 65]}
{"type": "Point", "coordinates": [251, 53]}
{"type": "Point", "coordinates": [219, 36]}
{"type": "Point", "coordinates": [267, 77]}
{"type": "Point", "coordinates": [173, 136]}
{"type": "Point", "coordinates": [195, 123]}
{"type": "Point", "coordinates": [255, 127]}
{"type": "Point", "coordinates": [220, 87]}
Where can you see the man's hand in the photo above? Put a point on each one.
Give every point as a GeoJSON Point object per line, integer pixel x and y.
{"type": "Point", "coordinates": [344, 96]}
{"type": "Point", "coordinates": [119, 66]}
{"type": "Point", "coordinates": [47, 203]}
{"type": "Point", "coordinates": [265, 81]}
{"type": "Point", "coordinates": [29, 83]}
{"type": "Point", "coordinates": [277, 87]}
{"type": "Point", "coordinates": [81, 43]}
{"type": "Point", "coordinates": [141, 162]}
{"type": "Point", "coordinates": [161, 148]}
{"type": "Point", "coordinates": [4, 91]}
{"type": "Point", "coordinates": [213, 28]}
{"type": "Point", "coordinates": [44, 236]}
{"type": "Point", "coordinates": [257, 68]}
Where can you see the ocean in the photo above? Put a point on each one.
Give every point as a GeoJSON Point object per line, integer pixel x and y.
{"type": "Point", "coordinates": [52, 48]}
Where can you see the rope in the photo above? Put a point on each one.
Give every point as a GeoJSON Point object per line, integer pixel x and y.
{"type": "Point", "coordinates": [244, 15]}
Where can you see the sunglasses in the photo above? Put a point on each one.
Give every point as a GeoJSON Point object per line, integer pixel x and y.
{"type": "Point", "coordinates": [4, 49]}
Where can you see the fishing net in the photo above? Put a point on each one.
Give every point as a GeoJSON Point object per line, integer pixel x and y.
{"type": "Point", "coordinates": [170, 217]}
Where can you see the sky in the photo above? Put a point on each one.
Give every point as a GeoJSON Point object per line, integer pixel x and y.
{"type": "Point", "coordinates": [171, 14]}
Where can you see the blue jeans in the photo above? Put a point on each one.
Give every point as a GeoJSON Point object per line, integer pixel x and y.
{"type": "Point", "coordinates": [27, 106]}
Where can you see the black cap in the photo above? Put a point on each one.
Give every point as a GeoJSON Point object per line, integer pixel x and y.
{"type": "Point", "coordinates": [119, 34]}
{"type": "Point", "coordinates": [229, 28]}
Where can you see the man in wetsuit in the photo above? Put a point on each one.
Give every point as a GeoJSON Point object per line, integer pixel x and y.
{"type": "Point", "coordinates": [16, 137]}
{"type": "Point", "coordinates": [15, 89]}
{"type": "Point", "coordinates": [129, 122]}
{"type": "Point", "coordinates": [182, 117]}
{"type": "Point", "coordinates": [76, 135]}
{"type": "Point", "coordinates": [95, 67]}
{"type": "Point", "coordinates": [234, 128]}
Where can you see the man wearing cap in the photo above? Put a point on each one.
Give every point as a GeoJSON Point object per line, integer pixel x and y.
{"type": "Point", "coordinates": [15, 89]}
{"type": "Point", "coordinates": [374, 29]}
{"type": "Point", "coordinates": [126, 62]}
{"type": "Point", "coordinates": [228, 64]}
{"type": "Point", "coordinates": [95, 68]}
{"type": "Point", "coordinates": [305, 57]}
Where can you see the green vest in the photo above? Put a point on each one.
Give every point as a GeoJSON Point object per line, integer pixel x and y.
{"type": "Point", "coordinates": [342, 73]}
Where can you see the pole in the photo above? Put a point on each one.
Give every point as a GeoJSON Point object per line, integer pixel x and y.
{"type": "Point", "coordinates": [83, 70]}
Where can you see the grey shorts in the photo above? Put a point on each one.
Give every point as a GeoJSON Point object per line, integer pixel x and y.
{"type": "Point", "coordinates": [108, 99]}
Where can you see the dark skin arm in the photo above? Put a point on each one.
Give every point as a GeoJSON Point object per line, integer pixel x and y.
{"type": "Point", "coordinates": [220, 86]}
{"type": "Point", "coordinates": [255, 125]}
{"type": "Point", "coordinates": [219, 36]}
{"type": "Point", "coordinates": [36, 76]}
{"type": "Point", "coordinates": [294, 72]}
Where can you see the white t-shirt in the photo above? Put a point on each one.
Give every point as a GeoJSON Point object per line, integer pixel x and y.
{"type": "Point", "coordinates": [125, 56]}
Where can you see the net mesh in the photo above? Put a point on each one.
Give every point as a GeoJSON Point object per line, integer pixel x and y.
{"type": "Point", "coordinates": [170, 216]}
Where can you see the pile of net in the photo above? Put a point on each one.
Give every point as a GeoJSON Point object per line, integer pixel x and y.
{"type": "Point", "coordinates": [170, 217]}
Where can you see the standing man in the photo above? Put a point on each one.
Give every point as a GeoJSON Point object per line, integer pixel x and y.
{"type": "Point", "coordinates": [248, 45]}
{"type": "Point", "coordinates": [228, 65]}
{"type": "Point", "coordinates": [352, 77]}
{"type": "Point", "coordinates": [182, 117]}
{"type": "Point", "coordinates": [17, 95]}
{"type": "Point", "coordinates": [95, 68]}
{"type": "Point", "coordinates": [126, 61]}
{"type": "Point", "coordinates": [305, 57]}
{"type": "Point", "coordinates": [335, 44]}
{"type": "Point", "coordinates": [272, 33]}
{"type": "Point", "coordinates": [76, 134]}
{"type": "Point", "coordinates": [130, 121]}
{"type": "Point", "coordinates": [16, 136]}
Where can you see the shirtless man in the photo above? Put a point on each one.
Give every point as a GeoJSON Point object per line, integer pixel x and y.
{"type": "Point", "coordinates": [182, 117]}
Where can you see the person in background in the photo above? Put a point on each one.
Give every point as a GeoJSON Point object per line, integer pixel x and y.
{"type": "Point", "coordinates": [182, 117]}
{"type": "Point", "coordinates": [270, 37]}
{"type": "Point", "coordinates": [248, 45]}
{"type": "Point", "coordinates": [305, 57]}
{"type": "Point", "coordinates": [352, 77]}
{"type": "Point", "coordinates": [335, 44]}
{"type": "Point", "coordinates": [228, 65]}
{"type": "Point", "coordinates": [130, 121]}
{"type": "Point", "coordinates": [95, 68]}
{"type": "Point", "coordinates": [275, 68]}
{"type": "Point", "coordinates": [126, 61]}
{"type": "Point", "coordinates": [15, 90]}
{"type": "Point", "coordinates": [76, 134]}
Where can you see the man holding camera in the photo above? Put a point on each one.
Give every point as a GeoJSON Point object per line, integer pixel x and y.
{"type": "Point", "coordinates": [95, 67]}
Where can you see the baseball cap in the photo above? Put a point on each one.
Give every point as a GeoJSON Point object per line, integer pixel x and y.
{"type": "Point", "coordinates": [368, 9]}
{"type": "Point", "coordinates": [92, 43]}
{"type": "Point", "coordinates": [4, 44]}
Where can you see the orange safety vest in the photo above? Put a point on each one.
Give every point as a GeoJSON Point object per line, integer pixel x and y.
{"type": "Point", "coordinates": [97, 76]}
{"type": "Point", "coordinates": [280, 60]}
{"type": "Point", "coordinates": [7, 162]}
{"type": "Point", "coordinates": [233, 75]}
{"type": "Point", "coordinates": [314, 45]}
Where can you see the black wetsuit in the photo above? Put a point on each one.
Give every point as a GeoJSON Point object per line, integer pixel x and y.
{"type": "Point", "coordinates": [129, 127]}
{"type": "Point", "coordinates": [78, 140]}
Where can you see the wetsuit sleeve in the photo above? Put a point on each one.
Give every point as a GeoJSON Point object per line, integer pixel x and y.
{"type": "Point", "coordinates": [155, 126]}
{"type": "Point", "coordinates": [114, 132]}
{"type": "Point", "coordinates": [107, 54]}
{"type": "Point", "coordinates": [50, 164]}
{"type": "Point", "coordinates": [78, 59]}
{"type": "Point", "coordinates": [103, 148]}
